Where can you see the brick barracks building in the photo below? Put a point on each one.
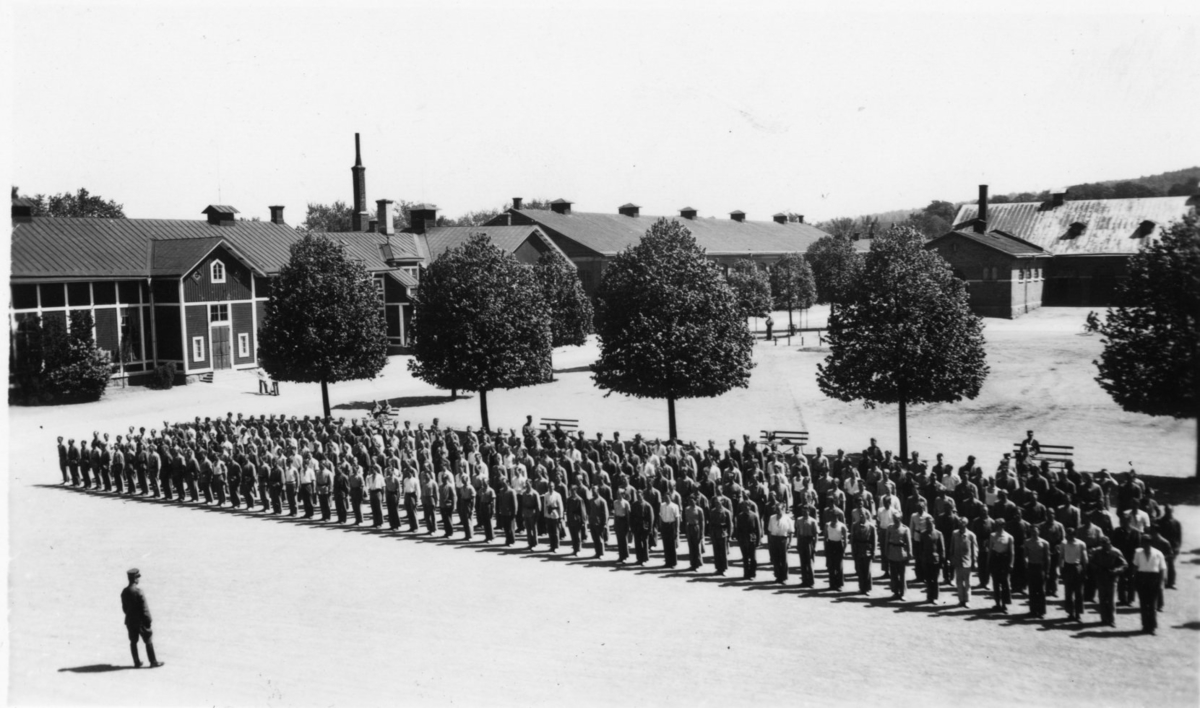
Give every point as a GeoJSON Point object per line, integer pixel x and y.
{"type": "Point", "coordinates": [1016, 257]}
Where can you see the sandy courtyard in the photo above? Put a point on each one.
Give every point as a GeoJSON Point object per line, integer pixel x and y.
{"type": "Point", "coordinates": [252, 610]}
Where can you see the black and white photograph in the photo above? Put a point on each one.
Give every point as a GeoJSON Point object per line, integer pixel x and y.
{"type": "Point", "coordinates": [551, 353]}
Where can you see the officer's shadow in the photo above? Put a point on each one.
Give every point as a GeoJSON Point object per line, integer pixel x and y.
{"type": "Point", "coordinates": [96, 669]}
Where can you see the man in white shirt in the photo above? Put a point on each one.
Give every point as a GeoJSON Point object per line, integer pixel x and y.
{"type": "Point", "coordinates": [669, 513]}
{"type": "Point", "coordinates": [1151, 568]}
{"type": "Point", "coordinates": [779, 532]}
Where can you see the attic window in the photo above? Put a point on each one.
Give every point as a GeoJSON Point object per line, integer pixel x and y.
{"type": "Point", "coordinates": [217, 271]}
{"type": "Point", "coordinates": [1144, 229]}
{"type": "Point", "coordinates": [1076, 229]}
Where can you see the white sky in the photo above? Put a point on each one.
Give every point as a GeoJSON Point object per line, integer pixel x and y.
{"type": "Point", "coordinates": [169, 108]}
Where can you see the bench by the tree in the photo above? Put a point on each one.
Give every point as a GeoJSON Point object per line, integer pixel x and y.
{"type": "Point", "coordinates": [1057, 455]}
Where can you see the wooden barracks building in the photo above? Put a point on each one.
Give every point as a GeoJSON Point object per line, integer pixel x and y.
{"type": "Point", "coordinates": [1017, 257]}
{"type": "Point", "coordinates": [591, 239]}
{"type": "Point", "coordinates": [194, 292]}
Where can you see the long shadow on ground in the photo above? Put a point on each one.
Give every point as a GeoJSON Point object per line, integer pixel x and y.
{"type": "Point", "coordinates": [401, 402]}
{"type": "Point", "coordinates": [96, 669]}
{"type": "Point", "coordinates": [915, 603]}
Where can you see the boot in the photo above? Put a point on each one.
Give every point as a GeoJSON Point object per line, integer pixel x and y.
{"type": "Point", "coordinates": [150, 654]}
{"type": "Point", "coordinates": [137, 660]}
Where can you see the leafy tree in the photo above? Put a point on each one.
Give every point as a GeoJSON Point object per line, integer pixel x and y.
{"type": "Point", "coordinates": [669, 324]}
{"type": "Point", "coordinates": [1152, 341]}
{"type": "Point", "coordinates": [480, 322]}
{"type": "Point", "coordinates": [80, 204]}
{"type": "Point", "coordinates": [905, 334]}
{"type": "Point", "coordinates": [835, 268]}
{"type": "Point", "coordinates": [570, 307]}
{"type": "Point", "coordinates": [792, 286]}
{"type": "Point", "coordinates": [1187, 188]}
{"type": "Point", "coordinates": [324, 319]}
{"type": "Point", "coordinates": [83, 372]}
{"type": "Point", "coordinates": [328, 218]}
{"type": "Point", "coordinates": [844, 227]}
{"type": "Point", "coordinates": [751, 287]}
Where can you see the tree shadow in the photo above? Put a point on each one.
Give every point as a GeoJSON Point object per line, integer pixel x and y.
{"type": "Point", "coordinates": [1110, 634]}
{"type": "Point", "coordinates": [401, 402]}
{"type": "Point", "coordinates": [96, 669]}
{"type": "Point", "coordinates": [573, 370]}
{"type": "Point", "coordinates": [1193, 625]}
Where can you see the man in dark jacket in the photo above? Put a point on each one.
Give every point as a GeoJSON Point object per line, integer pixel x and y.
{"type": "Point", "coordinates": [137, 619]}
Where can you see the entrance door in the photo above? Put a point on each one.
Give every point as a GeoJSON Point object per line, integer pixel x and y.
{"type": "Point", "coordinates": [220, 347]}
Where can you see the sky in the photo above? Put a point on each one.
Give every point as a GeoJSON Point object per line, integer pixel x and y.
{"type": "Point", "coordinates": [167, 108]}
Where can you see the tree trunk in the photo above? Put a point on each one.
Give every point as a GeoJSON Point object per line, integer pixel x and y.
{"type": "Point", "coordinates": [483, 408]}
{"type": "Point", "coordinates": [325, 397]}
{"type": "Point", "coordinates": [791, 327]}
{"type": "Point", "coordinates": [903, 430]}
{"type": "Point", "coordinates": [671, 417]}
{"type": "Point", "coordinates": [1198, 447]}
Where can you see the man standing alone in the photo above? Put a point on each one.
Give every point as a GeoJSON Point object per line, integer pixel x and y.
{"type": "Point", "coordinates": [137, 619]}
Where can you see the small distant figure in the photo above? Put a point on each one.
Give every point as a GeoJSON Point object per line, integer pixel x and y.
{"type": "Point", "coordinates": [1030, 446]}
{"type": "Point", "coordinates": [770, 325]}
{"type": "Point", "coordinates": [137, 619]}
{"type": "Point", "coordinates": [264, 383]}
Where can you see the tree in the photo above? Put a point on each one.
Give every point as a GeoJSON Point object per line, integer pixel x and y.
{"type": "Point", "coordinates": [905, 334]}
{"type": "Point", "coordinates": [328, 218]}
{"type": "Point", "coordinates": [792, 286]}
{"type": "Point", "coordinates": [570, 307]}
{"type": "Point", "coordinates": [835, 268]}
{"type": "Point", "coordinates": [480, 322]}
{"type": "Point", "coordinates": [751, 287]}
{"type": "Point", "coordinates": [669, 324]}
{"type": "Point", "coordinates": [81, 372]}
{"type": "Point", "coordinates": [1152, 341]}
{"type": "Point", "coordinates": [844, 227]}
{"type": "Point", "coordinates": [80, 204]}
{"type": "Point", "coordinates": [324, 319]}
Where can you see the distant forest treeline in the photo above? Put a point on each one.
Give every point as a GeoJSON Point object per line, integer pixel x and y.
{"type": "Point", "coordinates": [936, 218]}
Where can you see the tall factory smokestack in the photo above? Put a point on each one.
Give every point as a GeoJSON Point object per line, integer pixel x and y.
{"type": "Point", "coordinates": [981, 218]}
{"type": "Point", "coordinates": [360, 187]}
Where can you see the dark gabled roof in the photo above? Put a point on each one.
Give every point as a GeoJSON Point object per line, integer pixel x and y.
{"type": "Point", "coordinates": [94, 248]}
{"type": "Point", "coordinates": [219, 209]}
{"type": "Point", "coordinates": [422, 207]}
{"type": "Point", "coordinates": [608, 234]}
{"type": "Point", "coordinates": [630, 205]}
{"type": "Point", "coordinates": [1113, 226]}
{"type": "Point", "coordinates": [560, 200]}
{"type": "Point", "coordinates": [997, 241]}
{"type": "Point", "coordinates": [508, 238]}
{"type": "Point", "coordinates": [24, 202]}
{"type": "Point", "coordinates": [178, 256]}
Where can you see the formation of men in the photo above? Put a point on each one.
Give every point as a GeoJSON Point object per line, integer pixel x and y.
{"type": "Point", "coordinates": [1026, 528]}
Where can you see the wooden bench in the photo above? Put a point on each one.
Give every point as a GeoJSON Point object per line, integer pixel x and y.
{"type": "Point", "coordinates": [785, 437]}
{"type": "Point", "coordinates": [1057, 455]}
{"type": "Point", "coordinates": [567, 425]}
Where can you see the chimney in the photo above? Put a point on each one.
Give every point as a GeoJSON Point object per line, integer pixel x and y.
{"type": "Point", "coordinates": [367, 221]}
{"type": "Point", "coordinates": [737, 215]}
{"type": "Point", "coordinates": [384, 216]}
{"type": "Point", "coordinates": [1057, 197]}
{"type": "Point", "coordinates": [517, 202]}
{"type": "Point", "coordinates": [629, 209]}
{"type": "Point", "coordinates": [220, 214]}
{"type": "Point", "coordinates": [981, 218]}
{"type": "Point", "coordinates": [422, 218]}
{"type": "Point", "coordinates": [372, 224]}
{"type": "Point", "coordinates": [800, 219]}
{"type": "Point", "coordinates": [276, 214]}
{"type": "Point", "coordinates": [687, 213]}
{"type": "Point", "coordinates": [360, 188]}
{"type": "Point", "coordinates": [780, 218]}
{"type": "Point", "coordinates": [560, 206]}
{"type": "Point", "coordinates": [22, 209]}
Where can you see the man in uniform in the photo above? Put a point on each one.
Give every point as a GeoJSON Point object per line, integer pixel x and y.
{"type": "Point", "coordinates": [137, 619]}
{"type": "Point", "coordinates": [642, 519]}
{"type": "Point", "coordinates": [720, 528]}
{"type": "Point", "coordinates": [806, 545]}
{"type": "Point", "coordinates": [1000, 563]}
{"type": "Point", "coordinates": [862, 548]}
{"type": "Point", "coordinates": [749, 530]}
{"type": "Point", "coordinates": [780, 528]}
{"type": "Point", "coordinates": [1151, 568]}
{"type": "Point", "coordinates": [1109, 564]}
{"type": "Point", "coordinates": [506, 511]}
{"type": "Point", "coordinates": [1037, 559]}
{"type": "Point", "coordinates": [964, 550]}
{"type": "Point", "coordinates": [899, 550]}
{"type": "Point", "coordinates": [598, 520]}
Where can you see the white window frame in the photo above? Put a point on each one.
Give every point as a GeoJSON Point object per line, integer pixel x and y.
{"type": "Point", "coordinates": [243, 344]}
{"type": "Point", "coordinates": [198, 349]}
{"type": "Point", "coordinates": [215, 307]}
{"type": "Point", "coordinates": [212, 271]}
{"type": "Point", "coordinates": [379, 287]}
